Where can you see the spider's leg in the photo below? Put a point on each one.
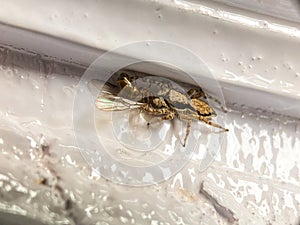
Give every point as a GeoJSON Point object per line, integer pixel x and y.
{"type": "Point", "coordinates": [159, 113]}
{"type": "Point", "coordinates": [188, 129]}
{"type": "Point", "coordinates": [202, 118]}
{"type": "Point", "coordinates": [205, 119]}
{"type": "Point", "coordinates": [218, 102]}
{"type": "Point", "coordinates": [168, 116]}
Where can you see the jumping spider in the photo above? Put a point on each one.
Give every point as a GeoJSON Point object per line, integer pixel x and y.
{"type": "Point", "coordinates": [159, 97]}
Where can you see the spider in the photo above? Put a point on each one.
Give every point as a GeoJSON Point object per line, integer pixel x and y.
{"type": "Point", "coordinates": [159, 97]}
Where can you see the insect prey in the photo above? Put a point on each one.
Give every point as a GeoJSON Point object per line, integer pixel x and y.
{"type": "Point", "coordinates": [159, 97]}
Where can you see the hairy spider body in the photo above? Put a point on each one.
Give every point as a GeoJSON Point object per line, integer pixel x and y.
{"type": "Point", "coordinates": [161, 98]}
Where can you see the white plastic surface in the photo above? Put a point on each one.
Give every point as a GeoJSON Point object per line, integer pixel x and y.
{"type": "Point", "coordinates": [240, 47]}
{"type": "Point", "coordinates": [254, 179]}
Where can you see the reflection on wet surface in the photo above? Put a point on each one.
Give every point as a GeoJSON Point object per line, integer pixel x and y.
{"type": "Point", "coordinates": [42, 174]}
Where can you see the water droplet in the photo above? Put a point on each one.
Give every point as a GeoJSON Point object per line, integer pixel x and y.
{"type": "Point", "coordinates": [68, 90]}
{"type": "Point", "coordinates": [264, 24]}
{"type": "Point", "coordinates": [254, 58]}
{"type": "Point", "coordinates": [54, 16]}
{"type": "Point", "coordinates": [123, 219]}
{"type": "Point", "coordinates": [33, 143]}
{"type": "Point", "coordinates": [9, 73]}
{"type": "Point", "coordinates": [224, 59]}
{"type": "Point", "coordinates": [288, 66]}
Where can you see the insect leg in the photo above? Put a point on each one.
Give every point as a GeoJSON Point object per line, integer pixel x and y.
{"type": "Point", "coordinates": [109, 102]}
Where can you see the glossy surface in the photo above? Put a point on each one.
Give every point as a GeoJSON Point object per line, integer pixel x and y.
{"type": "Point", "coordinates": [256, 174]}
{"type": "Point", "coordinates": [241, 48]}
{"type": "Point", "coordinates": [255, 177]}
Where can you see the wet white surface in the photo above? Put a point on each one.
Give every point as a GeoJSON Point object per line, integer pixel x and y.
{"type": "Point", "coordinates": [255, 177]}
{"type": "Point", "coordinates": [234, 43]}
